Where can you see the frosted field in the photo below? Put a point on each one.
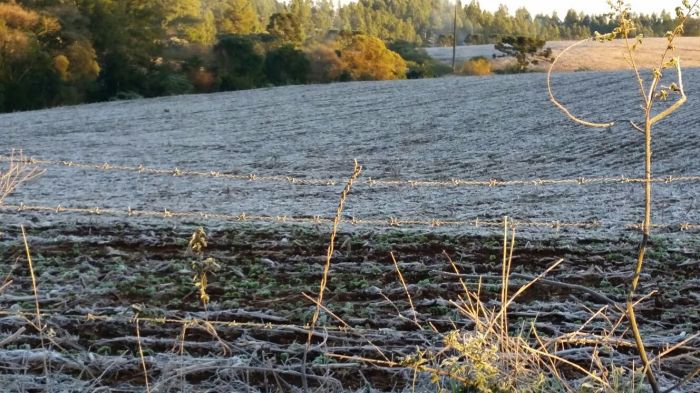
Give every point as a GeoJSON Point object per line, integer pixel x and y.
{"type": "Point", "coordinates": [98, 273]}
{"type": "Point", "coordinates": [460, 127]}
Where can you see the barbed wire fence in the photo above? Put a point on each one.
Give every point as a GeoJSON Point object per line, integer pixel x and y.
{"type": "Point", "coordinates": [453, 182]}
{"type": "Point", "coordinates": [390, 222]}
{"type": "Point", "coordinates": [129, 213]}
{"type": "Point", "coordinates": [386, 222]}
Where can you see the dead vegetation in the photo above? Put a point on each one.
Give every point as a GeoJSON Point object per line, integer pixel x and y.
{"type": "Point", "coordinates": [92, 290]}
{"type": "Point", "coordinates": [15, 171]}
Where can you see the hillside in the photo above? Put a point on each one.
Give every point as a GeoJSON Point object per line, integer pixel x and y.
{"type": "Point", "coordinates": [591, 56]}
{"type": "Point", "coordinates": [463, 128]}
{"type": "Point", "coordinates": [109, 224]}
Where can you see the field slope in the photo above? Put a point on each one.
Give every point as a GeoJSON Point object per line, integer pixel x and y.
{"type": "Point", "coordinates": [98, 270]}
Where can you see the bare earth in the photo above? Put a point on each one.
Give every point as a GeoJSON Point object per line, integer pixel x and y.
{"type": "Point", "coordinates": [97, 272]}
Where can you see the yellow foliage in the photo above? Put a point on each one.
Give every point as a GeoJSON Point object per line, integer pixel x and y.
{"type": "Point", "coordinates": [14, 20]}
{"type": "Point", "coordinates": [83, 61]}
{"type": "Point", "coordinates": [13, 42]}
{"type": "Point", "coordinates": [61, 64]}
{"type": "Point", "coordinates": [476, 66]}
{"type": "Point", "coordinates": [19, 32]}
{"type": "Point", "coordinates": [16, 17]}
{"type": "Point", "coordinates": [367, 58]}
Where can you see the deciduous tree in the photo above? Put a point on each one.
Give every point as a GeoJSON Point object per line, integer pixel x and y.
{"type": "Point", "coordinates": [367, 58]}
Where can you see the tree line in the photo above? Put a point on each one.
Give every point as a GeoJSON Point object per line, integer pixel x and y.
{"type": "Point", "coordinates": [57, 52]}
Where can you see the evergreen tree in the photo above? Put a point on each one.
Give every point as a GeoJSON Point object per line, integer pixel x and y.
{"type": "Point", "coordinates": [235, 16]}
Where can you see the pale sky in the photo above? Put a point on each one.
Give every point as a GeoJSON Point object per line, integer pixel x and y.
{"type": "Point", "coordinates": [587, 6]}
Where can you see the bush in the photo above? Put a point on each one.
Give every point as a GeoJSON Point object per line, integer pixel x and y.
{"type": "Point", "coordinates": [203, 80]}
{"type": "Point", "coordinates": [325, 65]}
{"type": "Point", "coordinates": [479, 66]}
{"type": "Point", "coordinates": [240, 64]}
{"type": "Point", "coordinates": [420, 64]}
{"type": "Point", "coordinates": [368, 58]}
{"type": "Point", "coordinates": [167, 82]}
{"type": "Point", "coordinates": [287, 65]}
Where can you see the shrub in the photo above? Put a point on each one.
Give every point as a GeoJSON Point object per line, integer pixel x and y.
{"type": "Point", "coordinates": [83, 61]}
{"type": "Point", "coordinates": [420, 64]}
{"type": "Point", "coordinates": [202, 80]}
{"type": "Point", "coordinates": [287, 65]}
{"type": "Point", "coordinates": [240, 63]}
{"type": "Point", "coordinates": [476, 66]}
{"type": "Point", "coordinates": [325, 65]}
{"type": "Point", "coordinates": [367, 58]}
{"type": "Point", "coordinates": [167, 82]}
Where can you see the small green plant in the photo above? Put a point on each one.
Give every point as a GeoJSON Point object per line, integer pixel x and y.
{"type": "Point", "coordinates": [488, 358]}
{"type": "Point", "coordinates": [474, 359]}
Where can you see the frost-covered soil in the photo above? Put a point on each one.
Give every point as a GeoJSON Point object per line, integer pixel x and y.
{"type": "Point", "coordinates": [466, 128]}
{"type": "Point", "coordinates": [500, 128]}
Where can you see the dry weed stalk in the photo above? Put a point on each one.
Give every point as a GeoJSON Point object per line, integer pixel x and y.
{"type": "Point", "coordinates": [489, 358]}
{"type": "Point", "coordinates": [37, 322]}
{"type": "Point", "coordinates": [141, 357]}
{"type": "Point", "coordinates": [652, 93]}
{"type": "Point", "coordinates": [202, 267]}
{"type": "Point", "coordinates": [19, 170]}
{"type": "Point", "coordinates": [408, 294]}
{"type": "Point", "coordinates": [326, 268]}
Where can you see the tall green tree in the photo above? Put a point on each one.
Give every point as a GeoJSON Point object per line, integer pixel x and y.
{"type": "Point", "coordinates": [235, 16]}
{"type": "Point", "coordinates": [322, 16]}
{"type": "Point", "coordinates": [240, 63]}
{"type": "Point", "coordinates": [189, 20]}
{"type": "Point", "coordinates": [286, 28]}
{"type": "Point", "coordinates": [287, 65]}
{"type": "Point", "coordinates": [128, 36]}
{"type": "Point", "coordinates": [302, 11]}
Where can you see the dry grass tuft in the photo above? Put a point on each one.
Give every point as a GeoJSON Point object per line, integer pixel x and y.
{"type": "Point", "coordinates": [17, 171]}
{"type": "Point", "coordinates": [491, 357]}
{"type": "Point", "coordinates": [477, 66]}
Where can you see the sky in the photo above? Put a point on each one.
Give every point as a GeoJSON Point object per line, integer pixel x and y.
{"type": "Point", "coordinates": [587, 6]}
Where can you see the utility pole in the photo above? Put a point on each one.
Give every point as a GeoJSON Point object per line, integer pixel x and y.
{"type": "Point", "coordinates": [454, 38]}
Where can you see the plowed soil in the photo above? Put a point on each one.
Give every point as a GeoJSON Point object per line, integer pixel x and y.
{"type": "Point", "coordinates": [97, 273]}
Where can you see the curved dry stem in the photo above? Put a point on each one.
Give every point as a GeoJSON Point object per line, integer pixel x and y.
{"type": "Point", "coordinates": [559, 104]}
{"type": "Point", "coordinates": [676, 104]}
{"type": "Point", "coordinates": [408, 294]}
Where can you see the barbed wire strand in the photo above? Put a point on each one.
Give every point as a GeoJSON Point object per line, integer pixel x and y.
{"type": "Point", "coordinates": [184, 321]}
{"type": "Point", "coordinates": [374, 222]}
{"type": "Point", "coordinates": [455, 182]}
